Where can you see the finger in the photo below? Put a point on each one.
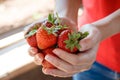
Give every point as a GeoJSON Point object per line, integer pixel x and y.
{"type": "Point", "coordinates": [68, 57]}
{"type": "Point", "coordinates": [59, 73]}
{"type": "Point", "coordinates": [32, 51]}
{"type": "Point", "coordinates": [58, 63]}
{"type": "Point", "coordinates": [56, 72]}
{"type": "Point", "coordinates": [92, 39]}
{"type": "Point", "coordinates": [88, 57]}
{"type": "Point", "coordinates": [38, 58]}
{"type": "Point", "coordinates": [87, 42]}
{"type": "Point", "coordinates": [81, 68]}
{"type": "Point", "coordinates": [72, 25]}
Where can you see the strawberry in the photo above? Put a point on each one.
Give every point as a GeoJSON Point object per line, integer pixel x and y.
{"type": "Point", "coordinates": [45, 63]}
{"type": "Point", "coordinates": [31, 35]}
{"type": "Point", "coordinates": [69, 41]}
{"type": "Point", "coordinates": [45, 39]}
{"type": "Point", "coordinates": [47, 34]}
{"type": "Point", "coordinates": [61, 41]}
{"type": "Point", "coordinates": [32, 41]}
{"type": "Point", "coordinates": [56, 22]}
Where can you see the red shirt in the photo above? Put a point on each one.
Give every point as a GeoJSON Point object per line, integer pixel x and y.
{"type": "Point", "coordinates": [109, 50]}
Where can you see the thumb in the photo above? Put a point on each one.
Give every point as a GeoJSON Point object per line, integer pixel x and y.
{"type": "Point", "coordinates": [86, 43]}
{"type": "Point", "coordinates": [72, 25]}
{"type": "Point", "coordinates": [92, 39]}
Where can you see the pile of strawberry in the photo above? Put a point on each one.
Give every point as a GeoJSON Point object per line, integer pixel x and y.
{"type": "Point", "coordinates": [52, 34]}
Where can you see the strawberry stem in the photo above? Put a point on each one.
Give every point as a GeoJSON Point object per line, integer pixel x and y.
{"type": "Point", "coordinates": [83, 35]}
{"type": "Point", "coordinates": [58, 19]}
{"type": "Point", "coordinates": [54, 28]}
{"type": "Point", "coordinates": [74, 38]}
{"type": "Point", "coordinates": [32, 32]}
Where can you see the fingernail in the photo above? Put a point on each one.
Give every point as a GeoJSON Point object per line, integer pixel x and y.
{"type": "Point", "coordinates": [55, 51]}
{"type": "Point", "coordinates": [44, 71]}
{"type": "Point", "coordinates": [48, 57]}
{"type": "Point", "coordinates": [47, 71]}
{"type": "Point", "coordinates": [33, 52]}
{"type": "Point", "coordinates": [38, 58]}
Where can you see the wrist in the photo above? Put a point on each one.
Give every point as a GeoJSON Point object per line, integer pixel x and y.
{"type": "Point", "coordinates": [68, 9]}
{"type": "Point", "coordinates": [100, 26]}
{"type": "Point", "coordinates": [70, 16]}
{"type": "Point", "coordinates": [109, 25]}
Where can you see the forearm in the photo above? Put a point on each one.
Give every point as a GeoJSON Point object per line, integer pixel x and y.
{"type": "Point", "coordinates": [68, 8]}
{"type": "Point", "coordinates": [109, 25]}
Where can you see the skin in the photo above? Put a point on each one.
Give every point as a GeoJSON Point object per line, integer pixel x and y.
{"type": "Point", "coordinates": [65, 8]}
{"type": "Point", "coordinates": [75, 63]}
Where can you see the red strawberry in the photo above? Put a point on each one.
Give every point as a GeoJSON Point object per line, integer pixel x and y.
{"type": "Point", "coordinates": [45, 63]}
{"type": "Point", "coordinates": [45, 38]}
{"type": "Point", "coordinates": [32, 40]}
{"type": "Point", "coordinates": [68, 41]}
{"type": "Point", "coordinates": [31, 35]}
{"type": "Point", "coordinates": [47, 34]}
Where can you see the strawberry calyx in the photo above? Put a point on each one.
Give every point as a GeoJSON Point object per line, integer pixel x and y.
{"type": "Point", "coordinates": [51, 18]}
{"type": "Point", "coordinates": [83, 35]}
{"type": "Point", "coordinates": [32, 31]}
{"type": "Point", "coordinates": [73, 40]}
{"type": "Point", "coordinates": [55, 24]}
{"type": "Point", "coordinates": [54, 19]}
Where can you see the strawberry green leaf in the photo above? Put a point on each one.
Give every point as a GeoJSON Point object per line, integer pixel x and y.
{"type": "Point", "coordinates": [72, 41]}
{"type": "Point", "coordinates": [74, 38]}
{"type": "Point", "coordinates": [32, 32]}
{"type": "Point", "coordinates": [58, 19]}
{"type": "Point", "coordinates": [51, 18]}
{"type": "Point", "coordinates": [83, 35]}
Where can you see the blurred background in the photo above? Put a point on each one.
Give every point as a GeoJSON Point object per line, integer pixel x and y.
{"type": "Point", "coordinates": [15, 63]}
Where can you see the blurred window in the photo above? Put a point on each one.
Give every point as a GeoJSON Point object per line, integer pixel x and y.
{"type": "Point", "coordinates": [14, 15]}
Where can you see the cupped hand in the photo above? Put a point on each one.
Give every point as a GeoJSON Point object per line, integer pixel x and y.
{"type": "Point", "coordinates": [68, 64]}
{"type": "Point", "coordinates": [34, 52]}
{"type": "Point", "coordinates": [92, 39]}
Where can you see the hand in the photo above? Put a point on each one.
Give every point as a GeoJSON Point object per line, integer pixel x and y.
{"type": "Point", "coordinates": [38, 57]}
{"type": "Point", "coordinates": [72, 25]}
{"type": "Point", "coordinates": [69, 64]}
{"type": "Point", "coordinates": [92, 39]}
